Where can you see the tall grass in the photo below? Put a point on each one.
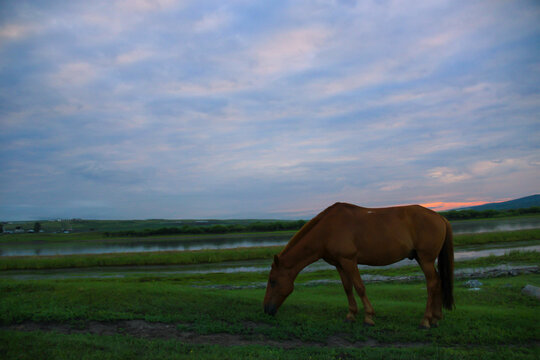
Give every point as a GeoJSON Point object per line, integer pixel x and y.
{"type": "Point", "coordinates": [496, 237]}
{"type": "Point", "coordinates": [137, 259]}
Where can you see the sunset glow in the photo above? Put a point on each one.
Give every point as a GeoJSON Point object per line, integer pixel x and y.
{"type": "Point", "coordinates": [443, 206]}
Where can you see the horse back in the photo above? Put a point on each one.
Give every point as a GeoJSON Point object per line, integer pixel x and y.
{"type": "Point", "coordinates": [381, 236]}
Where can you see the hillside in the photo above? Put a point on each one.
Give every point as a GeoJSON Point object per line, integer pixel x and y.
{"type": "Point", "coordinates": [521, 203]}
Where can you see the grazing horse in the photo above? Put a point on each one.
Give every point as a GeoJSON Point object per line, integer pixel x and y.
{"type": "Point", "coordinates": [345, 235]}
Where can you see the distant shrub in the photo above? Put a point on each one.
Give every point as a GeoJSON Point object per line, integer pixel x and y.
{"type": "Point", "coordinates": [259, 226]}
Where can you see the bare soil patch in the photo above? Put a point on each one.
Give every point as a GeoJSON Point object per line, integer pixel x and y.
{"type": "Point", "coordinates": [158, 330]}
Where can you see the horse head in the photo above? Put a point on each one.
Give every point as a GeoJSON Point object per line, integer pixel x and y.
{"type": "Point", "coordinates": [280, 285]}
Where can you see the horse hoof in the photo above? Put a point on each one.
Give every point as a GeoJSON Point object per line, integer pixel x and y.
{"type": "Point", "coordinates": [350, 318]}
{"type": "Point", "coordinates": [423, 327]}
{"type": "Point", "coordinates": [434, 325]}
{"type": "Point", "coordinates": [369, 324]}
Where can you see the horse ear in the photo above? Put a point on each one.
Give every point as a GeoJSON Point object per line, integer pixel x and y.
{"type": "Point", "coordinates": [276, 260]}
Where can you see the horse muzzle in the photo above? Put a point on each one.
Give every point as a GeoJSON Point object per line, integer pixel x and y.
{"type": "Point", "coordinates": [270, 309]}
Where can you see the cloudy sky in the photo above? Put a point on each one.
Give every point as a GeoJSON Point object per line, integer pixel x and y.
{"type": "Point", "coordinates": [248, 109]}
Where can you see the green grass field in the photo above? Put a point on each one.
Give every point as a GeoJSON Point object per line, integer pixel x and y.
{"type": "Point", "coordinates": [495, 322]}
{"type": "Point", "coordinates": [219, 315]}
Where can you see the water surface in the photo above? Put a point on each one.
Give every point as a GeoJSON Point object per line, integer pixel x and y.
{"type": "Point", "coordinates": [112, 245]}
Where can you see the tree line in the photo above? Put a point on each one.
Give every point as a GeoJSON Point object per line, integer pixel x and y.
{"type": "Point", "coordinates": [483, 214]}
{"type": "Point", "coordinates": [258, 226]}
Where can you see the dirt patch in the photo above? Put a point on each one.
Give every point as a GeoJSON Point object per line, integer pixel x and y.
{"type": "Point", "coordinates": [157, 330]}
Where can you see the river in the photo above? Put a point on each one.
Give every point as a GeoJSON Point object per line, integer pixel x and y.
{"type": "Point", "coordinates": [113, 245]}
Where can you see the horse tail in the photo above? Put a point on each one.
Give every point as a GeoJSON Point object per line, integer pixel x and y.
{"type": "Point", "coordinates": [446, 268]}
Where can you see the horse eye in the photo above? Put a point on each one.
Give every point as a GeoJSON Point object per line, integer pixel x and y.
{"type": "Point", "coordinates": [272, 283]}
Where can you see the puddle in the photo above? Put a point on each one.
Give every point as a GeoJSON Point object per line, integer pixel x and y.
{"type": "Point", "coordinates": [469, 273]}
{"type": "Point", "coordinates": [466, 255]}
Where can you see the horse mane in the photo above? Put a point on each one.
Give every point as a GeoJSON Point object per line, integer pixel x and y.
{"type": "Point", "coordinates": [305, 229]}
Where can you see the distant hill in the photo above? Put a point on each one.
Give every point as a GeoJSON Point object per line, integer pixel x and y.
{"type": "Point", "coordinates": [521, 203]}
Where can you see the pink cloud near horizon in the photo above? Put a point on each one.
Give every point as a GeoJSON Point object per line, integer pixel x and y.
{"type": "Point", "coordinates": [443, 206]}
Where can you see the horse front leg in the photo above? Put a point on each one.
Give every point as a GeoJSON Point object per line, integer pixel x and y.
{"type": "Point", "coordinates": [347, 286]}
{"type": "Point", "coordinates": [351, 271]}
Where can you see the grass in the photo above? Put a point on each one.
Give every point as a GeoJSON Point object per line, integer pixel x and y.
{"type": "Point", "coordinates": [260, 278]}
{"type": "Point", "coordinates": [496, 322]}
{"type": "Point", "coordinates": [32, 346]}
{"type": "Point", "coordinates": [137, 259]}
{"type": "Point", "coordinates": [496, 237]}
{"type": "Point", "coordinates": [513, 258]}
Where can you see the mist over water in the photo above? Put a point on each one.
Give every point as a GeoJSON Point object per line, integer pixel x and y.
{"type": "Point", "coordinates": [492, 225]}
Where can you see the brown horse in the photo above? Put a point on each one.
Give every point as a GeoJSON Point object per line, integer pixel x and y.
{"type": "Point", "coordinates": [345, 235]}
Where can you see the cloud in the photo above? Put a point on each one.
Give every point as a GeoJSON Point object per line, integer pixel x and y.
{"type": "Point", "coordinates": [391, 186]}
{"type": "Point", "coordinates": [447, 175]}
{"type": "Point", "coordinates": [74, 74]}
{"type": "Point", "coordinates": [13, 32]}
{"type": "Point", "coordinates": [482, 169]}
{"type": "Point", "coordinates": [133, 56]}
{"type": "Point", "coordinates": [213, 21]}
{"type": "Point", "coordinates": [145, 5]}
{"type": "Point", "coordinates": [289, 51]}
{"type": "Point", "coordinates": [201, 88]}
{"type": "Point", "coordinates": [443, 206]}
{"type": "Point", "coordinates": [171, 109]}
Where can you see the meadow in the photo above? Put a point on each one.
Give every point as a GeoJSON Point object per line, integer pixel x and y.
{"type": "Point", "coordinates": [183, 317]}
{"type": "Point", "coordinates": [160, 315]}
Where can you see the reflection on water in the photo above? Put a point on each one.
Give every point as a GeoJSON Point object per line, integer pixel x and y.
{"type": "Point", "coordinates": [140, 246]}
{"type": "Point", "coordinates": [224, 242]}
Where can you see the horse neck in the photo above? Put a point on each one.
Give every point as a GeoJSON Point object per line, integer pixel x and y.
{"type": "Point", "coordinates": [306, 251]}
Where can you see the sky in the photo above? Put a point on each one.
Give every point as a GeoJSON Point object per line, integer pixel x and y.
{"type": "Point", "coordinates": [137, 109]}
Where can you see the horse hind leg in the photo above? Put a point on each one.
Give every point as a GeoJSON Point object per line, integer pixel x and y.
{"type": "Point", "coordinates": [347, 286]}
{"type": "Point", "coordinates": [351, 271]}
{"type": "Point", "coordinates": [437, 303]}
{"type": "Point", "coordinates": [433, 311]}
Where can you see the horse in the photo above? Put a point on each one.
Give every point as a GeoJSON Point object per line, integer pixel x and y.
{"type": "Point", "coordinates": [345, 235]}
